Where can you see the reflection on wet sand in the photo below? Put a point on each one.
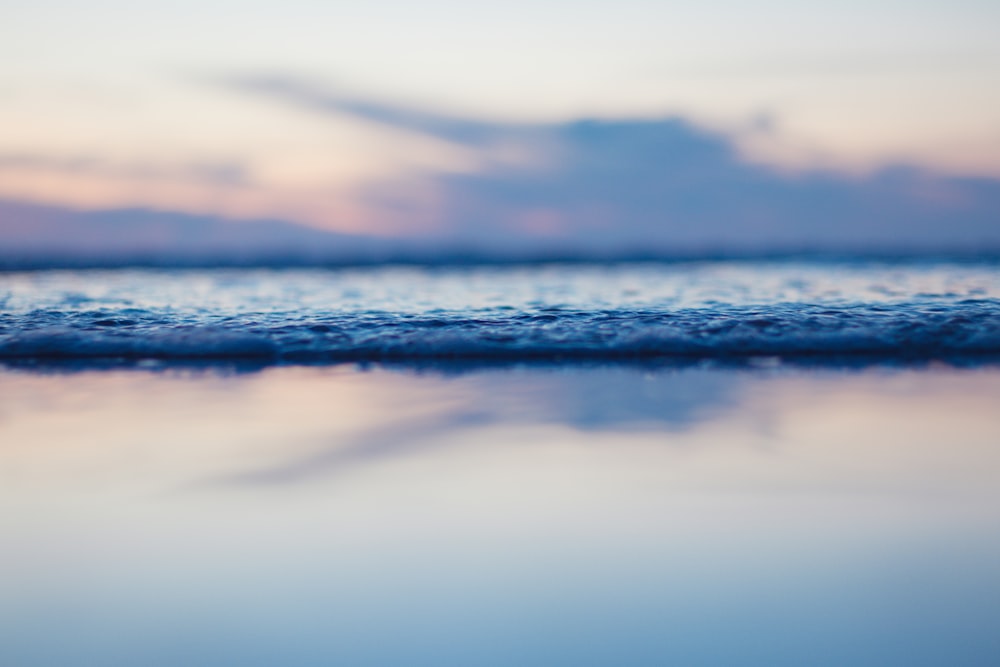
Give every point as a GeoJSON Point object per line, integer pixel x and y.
{"type": "Point", "coordinates": [568, 515]}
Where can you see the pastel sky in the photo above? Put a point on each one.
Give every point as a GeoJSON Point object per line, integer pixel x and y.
{"type": "Point", "coordinates": [111, 103]}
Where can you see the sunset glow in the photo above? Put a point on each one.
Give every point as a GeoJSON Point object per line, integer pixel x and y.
{"type": "Point", "coordinates": [110, 105]}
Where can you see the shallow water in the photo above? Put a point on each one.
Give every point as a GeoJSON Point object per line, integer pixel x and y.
{"type": "Point", "coordinates": [521, 515]}
{"type": "Point", "coordinates": [722, 310]}
{"type": "Point", "coordinates": [750, 463]}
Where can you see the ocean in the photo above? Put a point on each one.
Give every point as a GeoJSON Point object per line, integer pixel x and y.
{"type": "Point", "coordinates": [642, 311]}
{"type": "Point", "coordinates": [756, 462]}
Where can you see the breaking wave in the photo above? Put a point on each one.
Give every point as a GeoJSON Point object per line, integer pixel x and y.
{"type": "Point", "coordinates": [718, 310]}
{"type": "Point", "coordinates": [912, 330]}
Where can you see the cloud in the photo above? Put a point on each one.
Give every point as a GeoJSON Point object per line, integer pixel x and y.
{"type": "Point", "coordinates": [658, 185]}
{"type": "Point", "coordinates": [666, 184]}
{"type": "Point", "coordinates": [217, 173]}
{"type": "Point", "coordinates": [585, 187]}
{"type": "Point", "coordinates": [39, 235]}
{"type": "Point", "coordinates": [303, 95]}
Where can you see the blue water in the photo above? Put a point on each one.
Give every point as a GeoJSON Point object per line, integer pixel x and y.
{"type": "Point", "coordinates": [188, 476]}
{"type": "Point", "coordinates": [720, 310]}
{"type": "Point", "coordinates": [516, 515]}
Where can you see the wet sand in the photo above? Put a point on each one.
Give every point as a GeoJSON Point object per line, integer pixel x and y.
{"type": "Point", "coordinates": [518, 515]}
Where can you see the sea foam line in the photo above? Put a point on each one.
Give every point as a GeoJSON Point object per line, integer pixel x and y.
{"type": "Point", "coordinates": [905, 331]}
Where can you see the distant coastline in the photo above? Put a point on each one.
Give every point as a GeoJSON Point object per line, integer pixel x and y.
{"type": "Point", "coordinates": [457, 258]}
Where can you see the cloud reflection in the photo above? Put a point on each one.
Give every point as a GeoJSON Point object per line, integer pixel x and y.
{"type": "Point", "coordinates": [816, 505]}
{"type": "Point", "coordinates": [598, 400]}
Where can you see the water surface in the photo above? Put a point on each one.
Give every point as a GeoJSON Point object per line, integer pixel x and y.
{"type": "Point", "coordinates": [705, 463]}
{"type": "Point", "coordinates": [698, 310]}
{"type": "Point", "coordinates": [519, 515]}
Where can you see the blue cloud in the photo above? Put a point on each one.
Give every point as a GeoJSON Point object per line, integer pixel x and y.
{"type": "Point", "coordinates": [596, 188]}
{"type": "Point", "coordinates": [666, 185]}
{"type": "Point", "coordinates": [291, 91]}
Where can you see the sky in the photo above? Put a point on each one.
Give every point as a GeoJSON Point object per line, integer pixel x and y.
{"type": "Point", "coordinates": [393, 119]}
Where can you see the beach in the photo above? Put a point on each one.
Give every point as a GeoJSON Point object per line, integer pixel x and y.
{"type": "Point", "coordinates": [516, 514]}
{"type": "Point", "coordinates": [499, 334]}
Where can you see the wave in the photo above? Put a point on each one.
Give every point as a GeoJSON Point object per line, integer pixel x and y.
{"type": "Point", "coordinates": [916, 330]}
